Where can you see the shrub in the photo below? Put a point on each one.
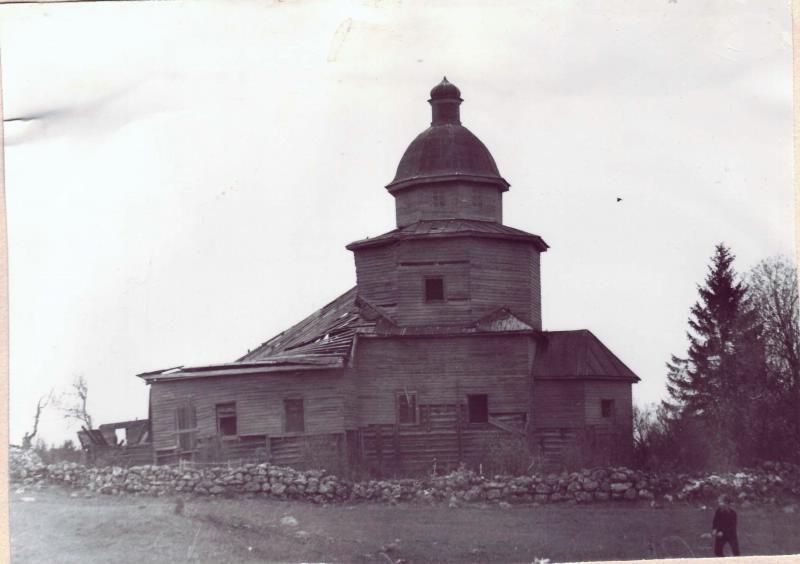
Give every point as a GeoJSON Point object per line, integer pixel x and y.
{"type": "Point", "coordinates": [503, 453]}
{"type": "Point", "coordinates": [323, 452]}
{"type": "Point", "coordinates": [67, 452]}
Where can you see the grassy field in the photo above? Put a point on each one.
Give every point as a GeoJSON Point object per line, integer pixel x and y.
{"type": "Point", "coordinates": [51, 526]}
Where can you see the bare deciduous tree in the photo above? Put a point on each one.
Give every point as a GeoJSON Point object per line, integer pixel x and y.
{"type": "Point", "coordinates": [41, 404]}
{"type": "Point", "coordinates": [76, 408]}
{"type": "Point", "coordinates": [774, 288]}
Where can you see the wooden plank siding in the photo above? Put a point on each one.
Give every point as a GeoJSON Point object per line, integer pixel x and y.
{"type": "Point", "coordinates": [505, 274]}
{"type": "Point", "coordinates": [574, 403]}
{"type": "Point", "coordinates": [441, 370]}
{"type": "Point", "coordinates": [441, 440]}
{"type": "Point", "coordinates": [481, 275]}
{"type": "Point", "coordinates": [558, 404]}
{"type": "Point", "coordinates": [447, 200]}
{"type": "Point", "coordinates": [417, 259]}
{"type": "Point", "coordinates": [259, 403]}
{"type": "Point", "coordinates": [567, 414]}
{"type": "Point", "coordinates": [620, 392]}
{"type": "Point", "coordinates": [376, 275]}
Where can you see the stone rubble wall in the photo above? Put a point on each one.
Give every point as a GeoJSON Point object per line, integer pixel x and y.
{"type": "Point", "coordinates": [769, 483]}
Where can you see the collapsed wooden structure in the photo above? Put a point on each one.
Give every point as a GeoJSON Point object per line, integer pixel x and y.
{"type": "Point", "coordinates": [435, 355]}
{"type": "Point", "coordinates": [124, 442]}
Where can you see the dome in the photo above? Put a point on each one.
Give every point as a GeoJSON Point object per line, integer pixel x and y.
{"type": "Point", "coordinates": [445, 89]}
{"type": "Point", "coordinates": [447, 150]}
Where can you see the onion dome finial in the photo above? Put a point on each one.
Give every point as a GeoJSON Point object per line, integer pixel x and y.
{"type": "Point", "coordinates": [445, 100]}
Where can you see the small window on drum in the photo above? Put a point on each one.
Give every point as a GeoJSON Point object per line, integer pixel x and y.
{"type": "Point", "coordinates": [434, 289]}
{"type": "Point", "coordinates": [607, 408]}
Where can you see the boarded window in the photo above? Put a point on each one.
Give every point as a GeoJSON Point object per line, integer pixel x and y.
{"type": "Point", "coordinates": [295, 418]}
{"type": "Point", "coordinates": [478, 408]}
{"type": "Point", "coordinates": [434, 289]}
{"type": "Point", "coordinates": [226, 419]}
{"type": "Point", "coordinates": [607, 407]}
{"type": "Point", "coordinates": [186, 426]}
{"type": "Point", "coordinates": [407, 408]}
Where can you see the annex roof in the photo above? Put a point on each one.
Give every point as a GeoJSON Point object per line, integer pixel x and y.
{"type": "Point", "coordinates": [577, 355]}
{"type": "Point", "coordinates": [451, 228]}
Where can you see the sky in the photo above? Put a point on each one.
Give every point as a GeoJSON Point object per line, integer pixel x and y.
{"type": "Point", "coordinates": [182, 178]}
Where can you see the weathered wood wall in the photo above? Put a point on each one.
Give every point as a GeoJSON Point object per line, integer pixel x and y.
{"type": "Point", "coordinates": [417, 259]}
{"type": "Point", "coordinates": [443, 439]}
{"type": "Point", "coordinates": [621, 392]}
{"type": "Point", "coordinates": [376, 275]}
{"type": "Point", "coordinates": [445, 200]}
{"type": "Point", "coordinates": [506, 273]}
{"type": "Point", "coordinates": [357, 407]}
{"type": "Point", "coordinates": [480, 275]}
{"type": "Point", "coordinates": [259, 403]}
{"type": "Point", "coordinates": [558, 403]}
{"type": "Point", "coordinates": [441, 370]}
{"type": "Point", "coordinates": [574, 403]}
{"type": "Point", "coordinates": [567, 413]}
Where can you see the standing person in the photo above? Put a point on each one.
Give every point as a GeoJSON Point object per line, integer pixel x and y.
{"type": "Point", "coordinates": [723, 529]}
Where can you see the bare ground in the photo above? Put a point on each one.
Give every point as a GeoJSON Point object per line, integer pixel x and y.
{"type": "Point", "coordinates": [51, 526]}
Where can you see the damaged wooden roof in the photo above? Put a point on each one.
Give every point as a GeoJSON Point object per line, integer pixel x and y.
{"type": "Point", "coordinates": [320, 341]}
{"type": "Point", "coordinates": [451, 228]}
{"type": "Point", "coordinates": [577, 355]}
{"type": "Point", "coordinates": [329, 330]}
{"type": "Point", "coordinates": [325, 339]}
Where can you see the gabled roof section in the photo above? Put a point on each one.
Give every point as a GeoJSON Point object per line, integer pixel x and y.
{"type": "Point", "coordinates": [451, 228]}
{"type": "Point", "coordinates": [502, 320]}
{"type": "Point", "coordinates": [577, 355]}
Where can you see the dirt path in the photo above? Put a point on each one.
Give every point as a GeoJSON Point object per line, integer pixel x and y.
{"type": "Point", "coordinates": [51, 526]}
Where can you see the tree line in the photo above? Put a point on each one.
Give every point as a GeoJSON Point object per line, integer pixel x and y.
{"type": "Point", "coordinates": [734, 396]}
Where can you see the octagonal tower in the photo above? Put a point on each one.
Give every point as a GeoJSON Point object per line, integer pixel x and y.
{"type": "Point", "coordinates": [451, 261]}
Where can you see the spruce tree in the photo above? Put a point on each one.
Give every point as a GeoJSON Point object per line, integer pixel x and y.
{"type": "Point", "coordinates": [718, 379]}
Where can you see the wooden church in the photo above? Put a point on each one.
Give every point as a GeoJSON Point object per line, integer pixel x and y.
{"type": "Point", "coordinates": [437, 351]}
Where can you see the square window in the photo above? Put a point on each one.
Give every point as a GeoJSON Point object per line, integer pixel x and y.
{"type": "Point", "coordinates": [295, 418]}
{"type": "Point", "coordinates": [434, 289]}
{"type": "Point", "coordinates": [226, 419]}
{"type": "Point", "coordinates": [607, 408]}
{"type": "Point", "coordinates": [407, 408]}
{"type": "Point", "coordinates": [478, 408]}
